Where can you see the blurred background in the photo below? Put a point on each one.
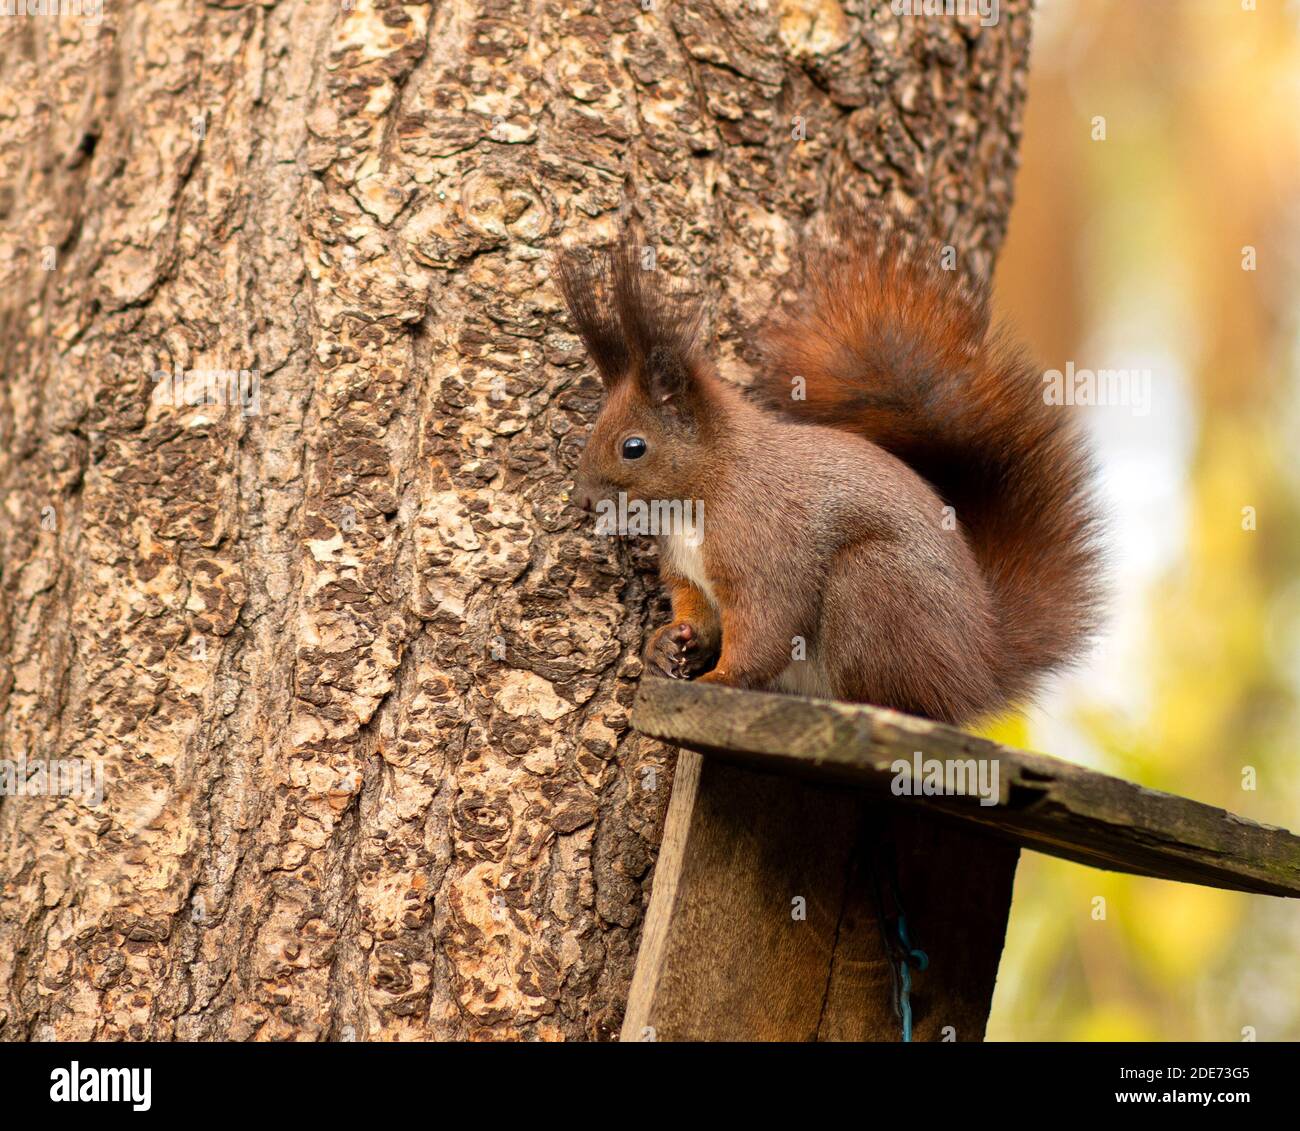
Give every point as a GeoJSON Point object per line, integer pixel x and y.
{"type": "Point", "coordinates": [1134, 252]}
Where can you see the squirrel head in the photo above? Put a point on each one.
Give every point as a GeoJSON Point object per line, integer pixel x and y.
{"type": "Point", "coordinates": [652, 438]}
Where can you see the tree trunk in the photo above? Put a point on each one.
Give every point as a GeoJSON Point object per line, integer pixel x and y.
{"type": "Point", "coordinates": [356, 675]}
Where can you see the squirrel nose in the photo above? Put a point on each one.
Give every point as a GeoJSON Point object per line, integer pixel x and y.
{"type": "Point", "coordinates": [582, 498]}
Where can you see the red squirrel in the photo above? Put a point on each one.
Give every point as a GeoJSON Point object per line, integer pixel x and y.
{"type": "Point", "coordinates": [892, 514]}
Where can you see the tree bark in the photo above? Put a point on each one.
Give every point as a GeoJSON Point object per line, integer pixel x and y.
{"type": "Point", "coordinates": [356, 675]}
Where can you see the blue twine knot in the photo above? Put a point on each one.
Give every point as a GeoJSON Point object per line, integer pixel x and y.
{"type": "Point", "coordinates": [904, 955]}
{"type": "Point", "coordinates": [907, 956]}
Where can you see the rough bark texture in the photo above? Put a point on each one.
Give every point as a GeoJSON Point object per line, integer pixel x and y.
{"type": "Point", "coordinates": [357, 676]}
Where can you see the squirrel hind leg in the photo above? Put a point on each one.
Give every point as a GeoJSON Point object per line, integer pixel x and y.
{"type": "Point", "coordinates": [892, 639]}
{"type": "Point", "coordinates": [806, 675]}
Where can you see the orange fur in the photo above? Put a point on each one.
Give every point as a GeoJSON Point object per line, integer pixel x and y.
{"type": "Point", "coordinates": [898, 350]}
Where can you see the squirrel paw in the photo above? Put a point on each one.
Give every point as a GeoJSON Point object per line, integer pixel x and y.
{"type": "Point", "coordinates": [676, 652]}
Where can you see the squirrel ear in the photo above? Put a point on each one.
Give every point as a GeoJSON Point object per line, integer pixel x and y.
{"type": "Point", "coordinates": [631, 320]}
{"type": "Point", "coordinates": [667, 374]}
{"type": "Point", "coordinates": [661, 325]}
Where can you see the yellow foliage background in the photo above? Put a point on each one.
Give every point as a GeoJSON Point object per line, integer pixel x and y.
{"type": "Point", "coordinates": [1125, 253]}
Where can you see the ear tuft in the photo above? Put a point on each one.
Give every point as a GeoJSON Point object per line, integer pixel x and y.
{"type": "Point", "coordinates": [581, 281]}
{"type": "Point", "coordinates": [630, 319]}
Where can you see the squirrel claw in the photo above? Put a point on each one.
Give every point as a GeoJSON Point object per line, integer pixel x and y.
{"type": "Point", "coordinates": [674, 652]}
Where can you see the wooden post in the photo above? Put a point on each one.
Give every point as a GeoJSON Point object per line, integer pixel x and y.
{"type": "Point", "coordinates": [763, 920]}
{"type": "Point", "coordinates": [763, 925]}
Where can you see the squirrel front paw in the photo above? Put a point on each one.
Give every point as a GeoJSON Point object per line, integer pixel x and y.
{"type": "Point", "coordinates": [678, 651]}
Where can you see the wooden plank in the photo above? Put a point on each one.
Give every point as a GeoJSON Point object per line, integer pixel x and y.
{"type": "Point", "coordinates": [956, 886]}
{"type": "Point", "coordinates": [1043, 803]}
{"type": "Point", "coordinates": [762, 923]}
{"type": "Point", "coordinates": [738, 848]}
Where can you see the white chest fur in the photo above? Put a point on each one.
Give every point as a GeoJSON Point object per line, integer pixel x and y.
{"type": "Point", "coordinates": [685, 558]}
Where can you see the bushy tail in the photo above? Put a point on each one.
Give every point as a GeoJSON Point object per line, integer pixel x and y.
{"type": "Point", "coordinates": [892, 347]}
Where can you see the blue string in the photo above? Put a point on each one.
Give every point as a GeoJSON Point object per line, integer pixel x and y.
{"type": "Point", "coordinates": [900, 948]}
{"type": "Point", "coordinates": [908, 955]}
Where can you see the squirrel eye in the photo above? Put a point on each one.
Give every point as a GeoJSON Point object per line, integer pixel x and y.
{"type": "Point", "coordinates": [634, 447]}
